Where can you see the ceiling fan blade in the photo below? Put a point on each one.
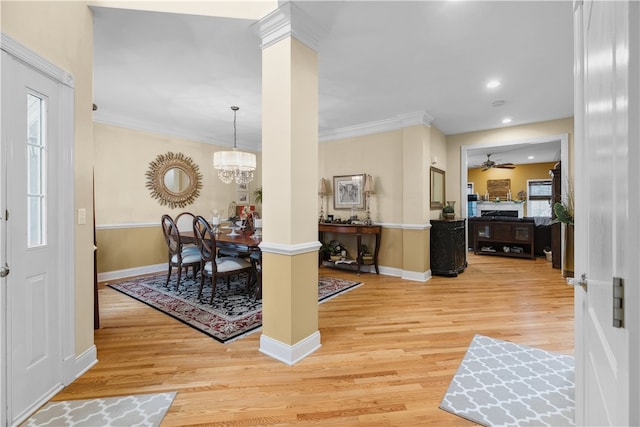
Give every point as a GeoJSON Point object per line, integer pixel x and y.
{"type": "Point", "coordinates": [506, 166]}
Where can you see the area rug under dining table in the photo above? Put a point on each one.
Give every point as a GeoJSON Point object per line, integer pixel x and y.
{"type": "Point", "coordinates": [233, 313]}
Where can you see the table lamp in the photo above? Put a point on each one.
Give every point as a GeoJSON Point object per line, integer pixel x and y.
{"type": "Point", "coordinates": [369, 189]}
{"type": "Point", "coordinates": [322, 192]}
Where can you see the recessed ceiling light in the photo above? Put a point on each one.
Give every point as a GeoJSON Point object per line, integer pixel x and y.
{"type": "Point", "coordinates": [506, 120]}
{"type": "Point", "coordinates": [493, 83]}
{"type": "Point", "coordinates": [531, 157]}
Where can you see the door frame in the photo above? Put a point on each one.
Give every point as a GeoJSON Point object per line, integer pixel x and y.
{"type": "Point", "coordinates": [65, 180]}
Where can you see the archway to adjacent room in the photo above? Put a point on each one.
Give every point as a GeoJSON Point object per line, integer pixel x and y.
{"type": "Point", "coordinates": [550, 140]}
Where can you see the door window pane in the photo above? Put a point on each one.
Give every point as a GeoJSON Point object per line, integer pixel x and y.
{"type": "Point", "coordinates": [36, 167]}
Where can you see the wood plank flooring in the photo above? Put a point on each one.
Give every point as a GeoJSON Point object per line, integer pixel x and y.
{"type": "Point", "coordinates": [389, 350]}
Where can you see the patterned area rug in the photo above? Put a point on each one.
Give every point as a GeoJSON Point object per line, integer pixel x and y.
{"type": "Point", "coordinates": [233, 313]}
{"type": "Point", "coordinates": [136, 410]}
{"type": "Point", "coordinates": [506, 384]}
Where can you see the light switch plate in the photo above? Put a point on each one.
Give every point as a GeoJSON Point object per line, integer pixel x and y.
{"type": "Point", "coordinates": [82, 216]}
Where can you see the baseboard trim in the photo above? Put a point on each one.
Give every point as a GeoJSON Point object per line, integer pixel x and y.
{"type": "Point", "coordinates": [159, 268]}
{"type": "Point", "coordinates": [130, 272]}
{"type": "Point", "coordinates": [416, 275]}
{"type": "Point", "coordinates": [389, 271]}
{"type": "Point", "coordinates": [290, 354]}
{"type": "Point", "coordinates": [83, 363]}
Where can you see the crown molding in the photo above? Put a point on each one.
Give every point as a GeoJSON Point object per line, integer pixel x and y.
{"type": "Point", "coordinates": [34, 60]}
{"type": "Point", "coordinates": [386, 125]}
{"type": "Point", "coordinates": [289, 21]}
{"type": "Point", "coordinates": [160, 129]}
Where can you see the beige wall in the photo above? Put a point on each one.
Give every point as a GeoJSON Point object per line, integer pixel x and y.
{"type": "Point", "coordinates": [399, 162]}
{"type": "Point", "coordinates": [379, 155]}
{"type": "Point", "coordinates": [246, 9]}
{"type": "Point", "coordinates": [123, 202]}
{"type": "Point", "coordinates": [122, 160]}
{"type": "Point", "coordinates": [125, 212]}
{"type": "Point", "coordinates": [62, 32]}
{"type": "Point", "coordinates": [499, 136]}
{"type": "Point", "coordinates": [123, 199]}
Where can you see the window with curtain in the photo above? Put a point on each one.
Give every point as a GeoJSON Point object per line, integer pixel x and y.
{"type": "Point", "coordinates": [539, 197]}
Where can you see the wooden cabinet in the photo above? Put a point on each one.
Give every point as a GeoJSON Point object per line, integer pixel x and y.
{"type": "Point", "coordinates": [448, 252]}
{"type": "Point", "coordinates": [502, 237]}
{"type": "Point", "coordinates": [357, 231]}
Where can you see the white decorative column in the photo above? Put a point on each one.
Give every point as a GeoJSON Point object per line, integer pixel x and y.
{"type": "Point", "coordinates": [290, 170]}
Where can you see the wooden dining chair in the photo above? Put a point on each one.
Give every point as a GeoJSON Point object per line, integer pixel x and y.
{"type": "Point", "coordinates": [184, 221]}
{"type": "Point", "coordinates": [179, 255]}
{"type": "Point", "coordinates": [213, 266]}
{"type": "Point", "coordinates": [256, 263]}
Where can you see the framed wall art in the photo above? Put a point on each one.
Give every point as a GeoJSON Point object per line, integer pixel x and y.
{"type": "Point", "coordinates": [243, 197]}
{"type": "Point", "coordinates": [348, 192]}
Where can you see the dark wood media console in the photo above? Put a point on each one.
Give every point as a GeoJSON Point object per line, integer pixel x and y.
{"type": "Point", "coordinates": [512, 237]}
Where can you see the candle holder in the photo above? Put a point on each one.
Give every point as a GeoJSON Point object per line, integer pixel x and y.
{"type": "Point", "coordinates": [215, 222]}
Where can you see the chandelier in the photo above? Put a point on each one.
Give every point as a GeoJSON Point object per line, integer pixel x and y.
{"type": "Point", "coordinates": [234, 165]}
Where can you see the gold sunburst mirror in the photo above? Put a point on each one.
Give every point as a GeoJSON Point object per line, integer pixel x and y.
{"type": "Point", "coordinates": [174, 180]}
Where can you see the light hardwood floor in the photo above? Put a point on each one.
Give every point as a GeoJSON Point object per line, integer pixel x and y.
{"type": "Point", "coordinates": [389, 350]}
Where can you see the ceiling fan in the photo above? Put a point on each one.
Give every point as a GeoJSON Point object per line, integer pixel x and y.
{"type": "Point", "coordinates": [488, 164]}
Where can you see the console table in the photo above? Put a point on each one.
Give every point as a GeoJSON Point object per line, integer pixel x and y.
{"type": "Point", "coordinates": [358, 231]}
{"type": "Point", "coordinates": [503, 236]}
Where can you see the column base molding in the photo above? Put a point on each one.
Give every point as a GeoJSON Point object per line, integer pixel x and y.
{"type": "Point", "coordinates": [290, 354]}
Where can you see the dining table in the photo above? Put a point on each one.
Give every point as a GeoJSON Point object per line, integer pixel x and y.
{"type": "Point", "coordinates": [244, 241]}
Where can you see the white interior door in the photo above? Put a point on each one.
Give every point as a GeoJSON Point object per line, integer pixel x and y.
{"type": "Point", "coordinates": [606, 164]}
{"type": "Point", "coordinates": [31, 137]}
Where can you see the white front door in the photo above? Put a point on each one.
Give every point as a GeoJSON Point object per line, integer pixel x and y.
{"type": "Point", "coordinates": [606, 233]}
{"type": "Point", "coordinates": [31, 134]}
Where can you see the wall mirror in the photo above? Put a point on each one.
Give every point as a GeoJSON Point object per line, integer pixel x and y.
{"type": "Point", "coordinates": [174, 180]}
{"type": "Point", "coordinates": [437, 194]}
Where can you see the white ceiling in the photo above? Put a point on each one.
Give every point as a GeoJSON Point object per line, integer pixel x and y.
{"type": "Point", "coordinates": [517, 154]}
{"type": "Point", "coordinates": [380, 60]}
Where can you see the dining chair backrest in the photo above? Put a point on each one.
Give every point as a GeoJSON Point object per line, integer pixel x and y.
{"type": "Point", "coordinates": [179, 256]}
{"type": "Point", "coordinates": [171, 234]}
{"type": "Point", "coordinates": [184, 221]}
{"type": "Point", "coordinates": [205, 239]}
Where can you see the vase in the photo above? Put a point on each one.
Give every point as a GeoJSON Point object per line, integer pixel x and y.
{"type": "Point", "coordinates": [450, 215]}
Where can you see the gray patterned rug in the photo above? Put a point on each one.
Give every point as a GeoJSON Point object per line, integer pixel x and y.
{"type": "Point", "coordinates": [500, 383]}
{"type": "Point", "coordinates": [136, 410]}
{"type": "Point", "coordinates": [233, 314]}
